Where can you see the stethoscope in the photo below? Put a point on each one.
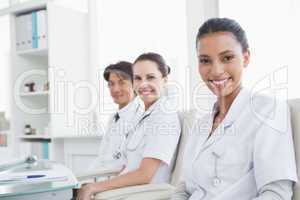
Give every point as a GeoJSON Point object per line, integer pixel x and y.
{"type": "Point", "coordinates": [216, 179]}
{"type": "Point", "coordinates": [131, 134]}
{"type": "Point", "coordinates": [128, 136]}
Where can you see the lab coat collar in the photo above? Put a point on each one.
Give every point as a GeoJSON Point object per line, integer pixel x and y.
{"type": "Point", "coordinates": [130, 109]}
{"type": "Point", "coordinates": [156, 105]}
{"type": "Point", "coordinates": [135, 139]}
{"type": "Point", "coordinates": [237, 106]}
{"type": "Point", "coordinates": [235, 110]}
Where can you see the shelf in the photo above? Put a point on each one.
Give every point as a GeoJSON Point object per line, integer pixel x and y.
{"type": "Point", "coordinates": [25, 7]}
{"type": "Point", "coordinates": [29, 94]}
{"type": "Point", "coordinates": [37, 137]}
{"type": "Point", "coordinates": [33, 52]}
{"type": "Point", "coordinates": [78, 137]}
{"type": "Point", "coordinates": [47, 137]}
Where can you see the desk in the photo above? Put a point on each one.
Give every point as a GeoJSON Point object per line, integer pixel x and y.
{"type": "Point", "coordinates": [39, 190]}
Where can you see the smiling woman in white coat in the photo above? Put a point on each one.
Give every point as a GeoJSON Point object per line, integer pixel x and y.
{"type": "Point", "coordinates": [243, 148]}
{"type": "Point", "coordinates": [150, 147]}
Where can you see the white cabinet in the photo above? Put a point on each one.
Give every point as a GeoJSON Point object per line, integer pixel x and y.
{"type": "Point", "coordinates": [59, 109]}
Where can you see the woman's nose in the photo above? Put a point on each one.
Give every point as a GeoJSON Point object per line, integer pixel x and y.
{"type": "Point", "coordinates": [217, 69]}
{"type": "Point", "coordinates": [144, 82]}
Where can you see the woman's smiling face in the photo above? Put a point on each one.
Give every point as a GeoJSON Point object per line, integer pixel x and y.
{"type": "Point", "coordinates": [148, 81]}
{"type": "Point", "coordinates": [221, 62]}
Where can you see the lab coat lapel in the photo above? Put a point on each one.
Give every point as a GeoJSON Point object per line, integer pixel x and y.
{"type": "Point", "coordinates": [218, 133]}
{"type": "Point", "coordinates": [238, 105]}
{"type": "Point", "coordinates": [202, 128]}
{"type": "Point", "coordinates": [136, 138]}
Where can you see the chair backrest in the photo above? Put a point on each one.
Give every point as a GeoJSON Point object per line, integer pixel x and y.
{"type": "Point", "coordinates": [295, 120]}
{"type": "Point", "coordinates": [187, 119]}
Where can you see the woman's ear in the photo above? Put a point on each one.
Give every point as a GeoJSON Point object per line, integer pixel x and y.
{"type": "Point", "coordinates": [165, 79]}
{"type": "Point", "coordinates": [246, 56]}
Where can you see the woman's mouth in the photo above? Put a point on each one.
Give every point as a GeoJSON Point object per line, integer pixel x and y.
{"type": "Point", "coordinates": [219, 82]}
{"type": "Point", "coordinates": [145, 92]}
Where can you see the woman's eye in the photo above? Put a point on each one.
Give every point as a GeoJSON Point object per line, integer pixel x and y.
{"type": "Point", "coordinates": [137, 78]}
{"type": "Point", "coordinates": [151, 77]}
{"type": "Point", "coordinates": [204, 61]}
{"type": "Point", "coordinates": [228, 58]}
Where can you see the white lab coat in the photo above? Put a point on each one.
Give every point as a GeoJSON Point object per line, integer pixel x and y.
{"type": "Point", "coordinates": [156, 136]}
{"type": "Point", "coordinates": [251, 148]}
{"type": "Point", "coordinates": [110, 151]}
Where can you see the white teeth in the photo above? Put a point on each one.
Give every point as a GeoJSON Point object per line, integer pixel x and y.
{"type": "Point", "coordinates": [219, 82]}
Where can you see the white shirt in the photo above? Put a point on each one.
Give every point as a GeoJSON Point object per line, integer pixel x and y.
{"type": "Point", "coordinates": [156, 136]}
{"type": "Point", "coordinates": [251, 149]}
{"type": "Point", "coordinates": [111, 152]}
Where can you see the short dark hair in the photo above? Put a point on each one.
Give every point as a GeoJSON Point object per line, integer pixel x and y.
{"type": "Point", "coordinates": [158, 59]}
{"type": "Point", "coordinates": [122, 68]}
{"type": "Point", "coordinates": [214, 25]}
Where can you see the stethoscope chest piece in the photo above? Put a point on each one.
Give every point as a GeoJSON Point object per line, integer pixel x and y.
{"type": "Point", "coordinates": [216, 181]}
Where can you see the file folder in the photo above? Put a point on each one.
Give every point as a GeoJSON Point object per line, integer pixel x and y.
{"type": "Point", "coordinates": [31, 30]}
{"type": "Point", "coordinates": [45, 150]}
{"type": "Point", "coordinates": [18, 32]}
{"type": "Point", "coordinates": [42, 29]}
{"type": "Point", "coordinates": [34, 30]}
{"type": "Point", "coordinates": [27, 31]}
{"type": "Point", "coordinates": [21, 32]}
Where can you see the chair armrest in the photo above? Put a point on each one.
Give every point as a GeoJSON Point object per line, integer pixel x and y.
{"type": "Point", "coordinates": [98, 173]}
{"type": "Point", "coordinates": [147, 191]}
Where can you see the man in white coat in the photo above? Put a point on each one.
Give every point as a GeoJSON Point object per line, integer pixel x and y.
{"type": "Point", "coordinates": [119, 77]}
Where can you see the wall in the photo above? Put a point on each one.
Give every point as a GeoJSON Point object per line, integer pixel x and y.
{"type": "Point", "coordinates": [273, 39]}
{"type": "Point", "coordinates": [197, 12]}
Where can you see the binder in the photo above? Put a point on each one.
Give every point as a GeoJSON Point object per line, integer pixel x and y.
{"type": "Point", "coordinates": [34, 30]}
{"type": "Point", "coordinates": [27, 31]}
{"type": "Point", "coordinates": [40, 149]}
{"type": "Point", "coordinates": [35, 149]}
{"type": "Point", "coordinates": [45, 150]}
{"type": "Point", "coordinates": [21, 32]}
{"type": "Point", "coordinates": [31, 30]}
{"type": "Point", "coordinates": [42, 29]}
{"type": "Point", "coordinates": [18, 31]}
